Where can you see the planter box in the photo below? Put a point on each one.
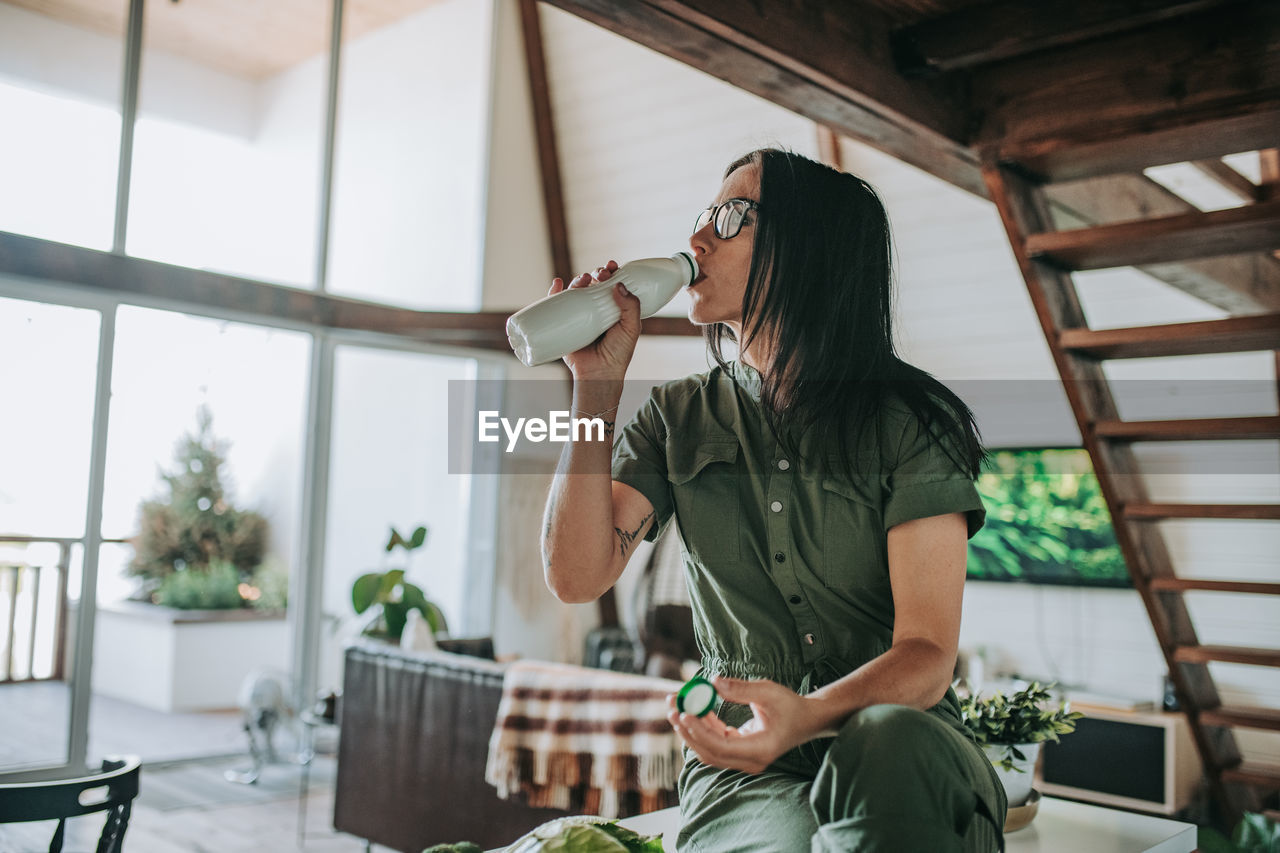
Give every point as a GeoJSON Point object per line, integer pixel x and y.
{"type": "Point", "coordinates": [183, 660]}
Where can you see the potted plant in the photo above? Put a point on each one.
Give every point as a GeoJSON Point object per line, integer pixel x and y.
{"type": "Point", "coordinates": [1011, 728]}
{"type": "Point", "coordinates": [194, 548]}
{"type": "Point", "coordinates": [389, 598]}
{"type": "Point", "coordinates": [210, 602]}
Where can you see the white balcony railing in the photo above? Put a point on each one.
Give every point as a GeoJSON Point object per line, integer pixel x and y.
{"type": "Point", "coordinates": [34, 611]}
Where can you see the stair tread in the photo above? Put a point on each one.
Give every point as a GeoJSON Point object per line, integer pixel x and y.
{"type": "Point", "coordinates": [1165, 239]}
{"type": "Point", "coordinates": [1208, 585]}
{"type": "Point", "coordinates": [1246, 716]}
{"type": "Point", "coordinates": [1249, 333]}
{"type": "Point", "coordinates": [1253, 773]}
{"type": "Point", "coordinates": [1227, 654]}
{"type": "Point", "coordinates": [1185, 510]}
{"type": "Point", "coordinates": [1191, 429]}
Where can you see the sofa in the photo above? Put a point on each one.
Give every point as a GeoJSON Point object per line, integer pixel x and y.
{"type": "Point", "coordinates": [413, 743]}
{"type": "Point", "coordinates": [414, 736]}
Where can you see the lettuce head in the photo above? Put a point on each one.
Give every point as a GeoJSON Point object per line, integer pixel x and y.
{"type": "Point", "coordinates": [585, 834]}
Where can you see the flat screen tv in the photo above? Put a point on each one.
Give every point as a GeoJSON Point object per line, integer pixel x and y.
{"type": "Point", "coordinates": [1047, 521]}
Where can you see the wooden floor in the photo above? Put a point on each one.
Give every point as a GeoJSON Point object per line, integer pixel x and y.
{"type": "Point", "coordinates": [34, 721]}
{"type": "Point", "coordinates": [169, 816]}
{"type": "Point", "coordinates": [184, 806]}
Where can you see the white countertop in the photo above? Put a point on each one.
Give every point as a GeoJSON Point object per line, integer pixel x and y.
{"type": "Point", "coordinates": [1061, 826]}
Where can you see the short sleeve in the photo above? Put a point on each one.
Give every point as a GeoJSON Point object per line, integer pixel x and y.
{"type": "Point", "coordinates": [640, 461]}
{"type": "Point", "coordinates": [925, 481]}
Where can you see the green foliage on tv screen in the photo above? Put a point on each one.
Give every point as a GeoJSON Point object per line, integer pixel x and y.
{"type": "Point", "coordinates": [1046, 522]}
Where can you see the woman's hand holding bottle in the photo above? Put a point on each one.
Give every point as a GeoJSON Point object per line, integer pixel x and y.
{"type": "Point", "coordinates": [606, 358]}
{"type": "Point", "coordinates": [598, 323]}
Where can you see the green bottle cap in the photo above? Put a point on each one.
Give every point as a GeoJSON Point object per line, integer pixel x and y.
{"type": "Point", "coordinates": [696, 697]}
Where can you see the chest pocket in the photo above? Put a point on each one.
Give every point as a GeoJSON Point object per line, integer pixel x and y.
{"type": "Point", "coordinates": [704, 485]}
{"type": "Point", "coordinates": [854, 552]}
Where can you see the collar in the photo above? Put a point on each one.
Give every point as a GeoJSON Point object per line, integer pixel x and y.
{"type": "Point", "coordinates": [747, 377]}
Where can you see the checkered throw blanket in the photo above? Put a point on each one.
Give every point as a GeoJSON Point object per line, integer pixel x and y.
{"type": "Point", "coordinates": [584, 740]}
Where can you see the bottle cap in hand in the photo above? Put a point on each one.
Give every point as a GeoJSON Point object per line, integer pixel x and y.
{"type": "Point", "coordinates": [696, 697]}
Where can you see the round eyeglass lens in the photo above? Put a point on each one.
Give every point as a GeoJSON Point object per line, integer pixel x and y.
{"type": "Point", "coordinates": [703, 218]}
{"type": "Point", "coordinates": [729, 218]}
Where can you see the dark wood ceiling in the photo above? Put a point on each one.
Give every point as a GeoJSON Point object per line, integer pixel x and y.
{"type": "Point", "coordinates": [907, 12]}
{"type": "Point", "coordinates": [1082, 93]}
{"type": "Point", "coordinates": [1067, 88]}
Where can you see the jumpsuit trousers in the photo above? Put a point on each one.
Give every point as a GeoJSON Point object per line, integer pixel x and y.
{"type": "Point", "coordinates": [894, 780]}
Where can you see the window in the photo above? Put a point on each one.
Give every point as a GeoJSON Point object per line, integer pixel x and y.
{"type": "Point", "coordinates": [60, 98]}
{"type": "Point", "coordinates": [408, 178]}
{"type": "Point", "coordinates": [226, 159]}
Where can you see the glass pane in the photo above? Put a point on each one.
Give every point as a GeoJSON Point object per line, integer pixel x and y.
{"type": "Point", "coordinates": [389, 469]}
{"type": "Point", "coordinates": [50, 357]}
{"type": "Point", "coordinates": [50, 353]}
{"type": "Point", "coordinates": [226, 163]}
{"type": "Point", "coordinates": [408, 176]}
{"type": "Point", "coordinates": [60, 73]}
{"type": "Point", "coordinates": [212, 512]}
{"type": "Point", "coordinates": [36, 611]}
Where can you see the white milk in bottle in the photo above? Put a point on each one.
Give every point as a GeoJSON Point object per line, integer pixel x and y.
{"type": "Point", "coordinates": [567, 321]}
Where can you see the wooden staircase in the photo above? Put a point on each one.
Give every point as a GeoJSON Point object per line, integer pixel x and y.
{"type": "Point", "coordinates": [1047, 259]}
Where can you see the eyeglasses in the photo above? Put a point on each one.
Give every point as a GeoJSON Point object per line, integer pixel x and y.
{"type": "Point", "coordinates": [728, 217]}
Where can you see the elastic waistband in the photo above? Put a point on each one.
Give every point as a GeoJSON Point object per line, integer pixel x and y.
{"type": "Point", "coordinates": [800, 677]}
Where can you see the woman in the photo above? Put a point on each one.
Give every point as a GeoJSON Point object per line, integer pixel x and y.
{"type": "Point", "coordinates": [824, 491]}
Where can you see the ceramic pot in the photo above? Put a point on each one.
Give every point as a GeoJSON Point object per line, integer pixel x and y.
{"type": "Point", "coordinates": [1017, 782]}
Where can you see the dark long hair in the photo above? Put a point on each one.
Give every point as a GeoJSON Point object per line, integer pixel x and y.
{"type": "Point", "coordinates": [819, 291]}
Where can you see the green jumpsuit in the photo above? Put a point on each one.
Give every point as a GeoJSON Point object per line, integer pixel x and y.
{"type": "Point", "coordinates": [788, 576]}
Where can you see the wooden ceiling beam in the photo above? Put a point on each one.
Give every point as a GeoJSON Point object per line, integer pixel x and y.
{"type": "Point", "coordinates": [824, 61]}
{"type": "Point", "coordinates": [249, 301]}
{"type": "Point", "coordinates": [829, 148]}
{"type": "Point", "coordinates": [991, 32]}
{"type": "Point", "coordinates": [545, 136]}
{"type": "Point", "coordinates": [1194, 88]}
{"type": "Point", "coordinates": [241, 299]}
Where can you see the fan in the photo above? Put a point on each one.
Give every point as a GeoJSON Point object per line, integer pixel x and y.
{"type": "Point", "coordinates": [265, 708]}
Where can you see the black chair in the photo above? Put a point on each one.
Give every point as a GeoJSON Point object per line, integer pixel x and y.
{"type": "Point", "coordinates": [112, 791]}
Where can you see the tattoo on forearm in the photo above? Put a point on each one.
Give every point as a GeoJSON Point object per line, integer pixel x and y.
{"type": "Point", "coordinates": [625, 539]}
{"type": "Point", "coordinates": [608, 430]}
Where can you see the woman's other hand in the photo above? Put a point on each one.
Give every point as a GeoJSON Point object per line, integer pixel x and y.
{"type": "Point", "coordinates": [608, 356]}
{"type": "Point", "coordinates": [782, 720]}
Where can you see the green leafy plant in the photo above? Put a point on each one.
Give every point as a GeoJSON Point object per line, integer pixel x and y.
{"type": "Point", "coordinates": [1027, 716]}
{"type": "Point", "coordinates": [393, 595]}
{"type": "Point", "coordinates": [214, 588]}
{"type": "Point", "coordinates": [269, 586]}
{"type": "Point", "coordinates": [1256, 833]}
